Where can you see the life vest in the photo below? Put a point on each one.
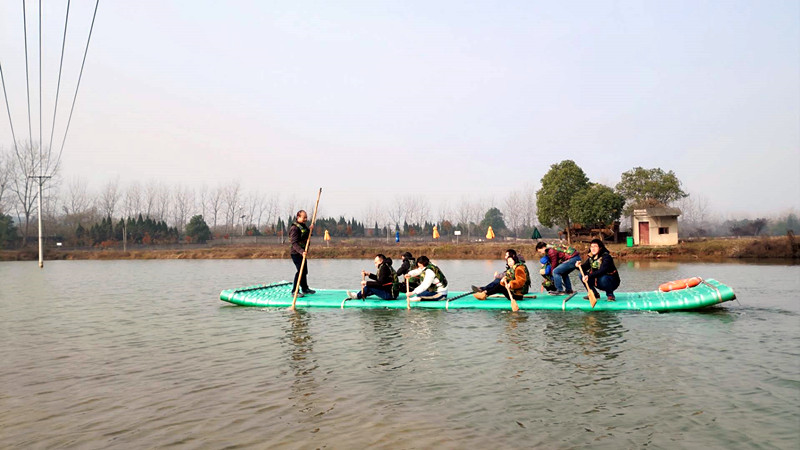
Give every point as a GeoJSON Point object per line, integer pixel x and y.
{"type": "Point", "coordinates": [511, 275]}
{"type": "Point", "coordinates": [304, 232]}
{"type": "Point", "coordinates": [395, 284]}
{"type": "Point", "coordinates": [438, 273]}
{"type": "Point", "coordinates": [567, 250]}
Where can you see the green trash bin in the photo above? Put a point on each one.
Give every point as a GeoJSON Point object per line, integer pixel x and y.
{"type": "Point", "coordinates": [630, 241]}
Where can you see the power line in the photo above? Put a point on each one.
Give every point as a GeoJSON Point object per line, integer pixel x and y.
{"type": "Point", "coordinates": [74, 99]}
{"type": "Point", "coordinates": [8, 109]}
{"type": "Point", "coordinates": [41, 165]}
{"type": "Point", "coordinates": [27, 77]}
{"type": "Point", "coordinates": [60, 66]}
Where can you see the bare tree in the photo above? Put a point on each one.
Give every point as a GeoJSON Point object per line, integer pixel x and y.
{"type": "Point", "coordinates": [254, 208]}
{"type": "Point", "coordinates": [182, 206]}
{"type": "Point", "coordinates": [133, 200]}
{"type": "Point", "coordinates": [25, 188]}
{"type": "Point", "coordinates": [163, 201]}
{"type": "Point", "coordinates": [397, 212]}
{"type": "Point", "coordinates": [513, 211]}
{"type": "Point", "coordinates": [233, 206]}
{"type": "Point", "coordinates": [5, 179]}
{"type": "Point", "coordinates": [272, 209]}
{"type": "Point", "coordinates": [215, 205]}
{"type": "Point", "coordinates": [463, 214]}
{"type": "Point", "coordinates": [109, 197]}
{"type": "Point", "coordinates": [76, 198]}
{"type": "Point", "coordinates": [202, 200]}
{"type": "Point", "coordinates": [373, 214]}
{"type": "Point", "coordinates": [419, 209]}
{"type": "Point", "coordinates": [150, 198]}
{"type": "Point", "coordinates": [694, 214]}
{"type": "Point", "coordinates": [529, 206]}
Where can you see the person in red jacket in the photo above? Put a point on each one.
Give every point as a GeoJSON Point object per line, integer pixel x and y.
{"type": "Point", "coordinates": [562, 261]}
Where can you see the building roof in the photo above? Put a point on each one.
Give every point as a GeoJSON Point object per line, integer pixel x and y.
{"type": "Point", "coordinates": [657, 212]}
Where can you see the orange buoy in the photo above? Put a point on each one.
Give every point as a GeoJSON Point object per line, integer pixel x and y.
{"type": "Point", "coordinates": [680, 284]}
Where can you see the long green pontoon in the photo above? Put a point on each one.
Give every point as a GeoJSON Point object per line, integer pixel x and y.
{"type": "Point", "coordinates": [279, 295]}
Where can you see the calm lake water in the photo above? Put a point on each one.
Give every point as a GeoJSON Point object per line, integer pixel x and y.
{"type": "Point", "coordinates": [142, 354]}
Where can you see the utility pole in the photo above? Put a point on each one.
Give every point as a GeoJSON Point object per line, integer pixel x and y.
{"type": "Point", "coordinates": [40, 179]}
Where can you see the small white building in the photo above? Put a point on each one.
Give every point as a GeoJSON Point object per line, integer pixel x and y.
{"type": "Point", "coordinates": [655, 226]}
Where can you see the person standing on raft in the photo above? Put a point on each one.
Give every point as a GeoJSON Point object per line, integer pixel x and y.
{"type": "Point", "coordinates": [516, 279]}
{"type": "Point", "coordinates": [383, 284]}
{"type": "Point", "coordinates": [599, 270]}
{"type": "Point", "coordinates": [433, 285]}
{"type": "Point", "coordinates": [298, 236]}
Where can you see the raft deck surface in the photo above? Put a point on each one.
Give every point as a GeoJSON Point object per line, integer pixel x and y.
{"type": "Point", "coordinates": [279, 295]}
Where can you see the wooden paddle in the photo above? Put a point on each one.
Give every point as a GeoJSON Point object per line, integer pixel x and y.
{"type": "Point", "coordinates": [592, 298]}
{"type": "Point", "coordinates": [514, 306]}
{"type": "Point", "coordinates": [305, 253]}
{"type": "Point", "coordinates": [408, 295]}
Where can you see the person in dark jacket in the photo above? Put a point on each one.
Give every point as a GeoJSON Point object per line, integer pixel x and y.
{"type": "Point", "coordinates": [409, 263]}
{"type": "Point", "coordinates": [599, 270]}
{"type": "Point", "coordinates": [298, 236]}
{"type": "Point", "coordinates": [383, 283]}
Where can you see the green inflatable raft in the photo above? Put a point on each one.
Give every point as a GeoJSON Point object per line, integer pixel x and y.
{"type": "Point", "coordinates": [279, 295]}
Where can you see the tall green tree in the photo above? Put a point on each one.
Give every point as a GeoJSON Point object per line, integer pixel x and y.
{"type": "Point", "coordinates": [648, 187]}
{"type": "Point", "coordinates": [493, 218]}
{"type": "Point", "coordinates": [198, 229]}
{"type": "Point", "coordinates": [597, 205]}
{"type": "Point", "coordinates": [8, 231]}
{"type": "Point", "coordinates": [559, 185]}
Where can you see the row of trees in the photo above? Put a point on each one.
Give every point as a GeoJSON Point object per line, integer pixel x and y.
{"type": "Point", "coordinates": [567, 196]}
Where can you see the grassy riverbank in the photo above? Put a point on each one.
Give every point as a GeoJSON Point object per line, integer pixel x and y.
{"type": "Point", "coordinates": [697, 250]}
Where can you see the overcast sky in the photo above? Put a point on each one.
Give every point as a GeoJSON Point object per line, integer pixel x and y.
{"type": "Point", "coordinates": [373, 100]}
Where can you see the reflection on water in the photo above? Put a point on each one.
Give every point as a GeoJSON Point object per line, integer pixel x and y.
{"type": "Point", "coordinates": [143, 354]}
{"type": "Point", "coordinates": [652, 265]}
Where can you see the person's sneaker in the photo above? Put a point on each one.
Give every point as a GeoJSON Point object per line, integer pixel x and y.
{"type": "Point", "coordinates": [352, 295]}
{"type": "Point", "coordinates": [300, 294]}
{"type": "Point", "coordinates": [556, 292]}
{"type": "Point", "coordinates": [480, 295]}
{"type": "Point", "coordinates": [586, 297]}
{"type": "Point", "coordinates": [475, 289]}
{"type": "Point", "coordinates": [569, 292]}
{"type": "Point", "coordinates": [611, 298]}
{"type": "Point", "coordinates": [309, 291]}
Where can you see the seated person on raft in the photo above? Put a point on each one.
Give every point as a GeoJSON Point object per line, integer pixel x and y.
{"type": "Point", "coordinates": [408, 263]}
{"type": "Point", "coordinates": [498, 275]}
{"type": "Point", "coordinates": [382, 284]}
{"type": "Point", "coordinates": [433, 285]}
{"type": "Point", "coordinates": [547, 274]}
{"type": "Point", "coordinates": [599, 270]}
{"type": "Point", "coordinates": [517, 279]}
